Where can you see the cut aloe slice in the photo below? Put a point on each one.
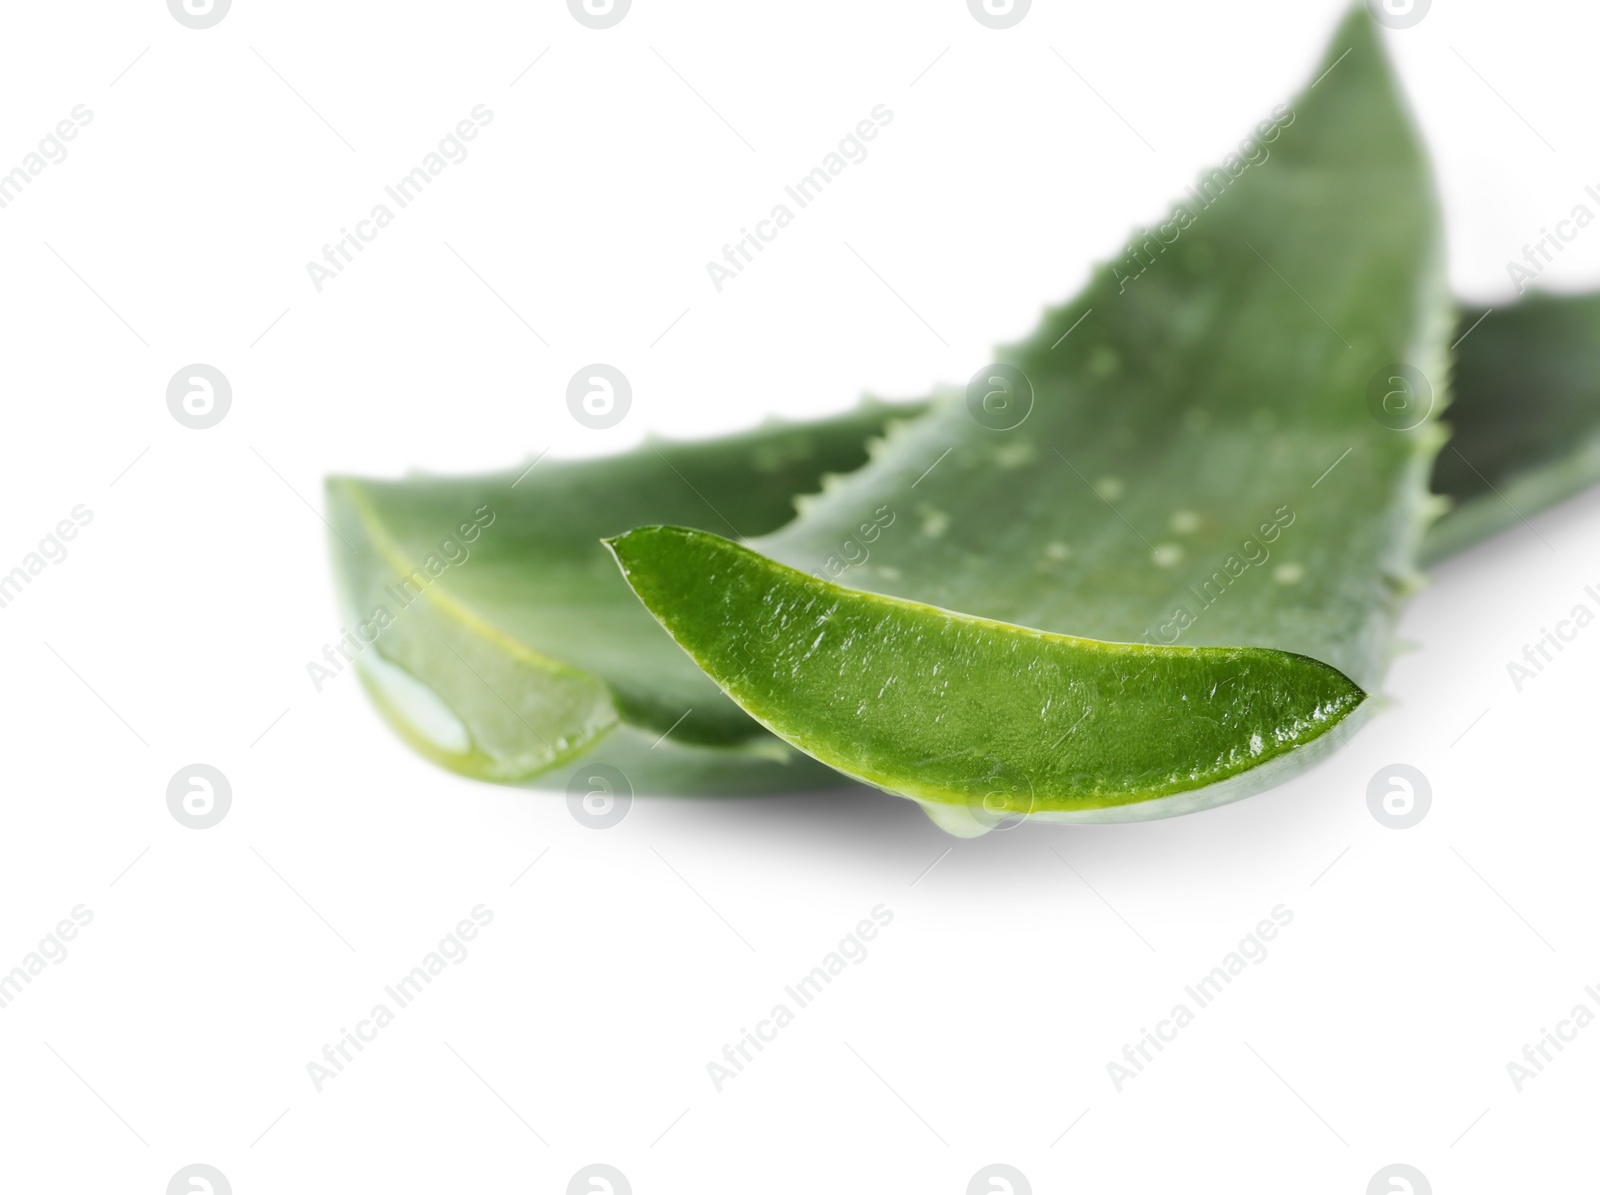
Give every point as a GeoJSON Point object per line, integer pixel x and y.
{"type": "Point", "coordinates": [503, 642]}
{"type": "Point", "coordinates": [1211, 458]}
{"type": "Point", "coordinates": [883, 689]}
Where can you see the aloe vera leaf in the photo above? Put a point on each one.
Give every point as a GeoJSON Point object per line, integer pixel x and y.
{"type": "Point", "coordinates": [1199, 467]}
{"type": "Point", "coordinates": [520, 648]}
{"type": "Point", "coordinates": [879, 687]}
{"type": "Point", "coordinates": [1526, 417]}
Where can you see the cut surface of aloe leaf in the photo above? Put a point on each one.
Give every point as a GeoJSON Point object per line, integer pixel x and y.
{"type": "Point", "coordinates": [1525, 416]}
{"type": "Point", "coordinates": [947, 708]}
{"type": "Point", "coordinates": [1203, 461]}
{"type": "Point", "coordinates": [503, 641]}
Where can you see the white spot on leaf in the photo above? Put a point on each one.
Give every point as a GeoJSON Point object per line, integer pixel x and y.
{"type": "Point", "coordinates": [934, 522]}
{"type": "Point", "coordinates": [1012, 454]}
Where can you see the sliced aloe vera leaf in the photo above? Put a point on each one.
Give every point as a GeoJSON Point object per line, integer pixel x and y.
{"type": "Point", "coordinates": [1526, 416]}
{"type": "Point", "coordinates": [503, 642]}
{"type": "Point", "coordinates": [936, 705]}
{"type": "Point", "coordinates": [1196, 464]}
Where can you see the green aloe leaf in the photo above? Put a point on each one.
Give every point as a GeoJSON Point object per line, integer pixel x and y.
{"type": "Point", "coordinates": [956, 710]}
{"type": "Point", "coordinates": [1207, 459]}
{"type": "Point", "coordinates": [498, 639]}
{"type": "Point", "coordinates": [1526, 416]}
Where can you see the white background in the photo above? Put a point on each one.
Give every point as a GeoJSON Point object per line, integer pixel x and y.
{"type": "Point", "coordinates": [219, 962]}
